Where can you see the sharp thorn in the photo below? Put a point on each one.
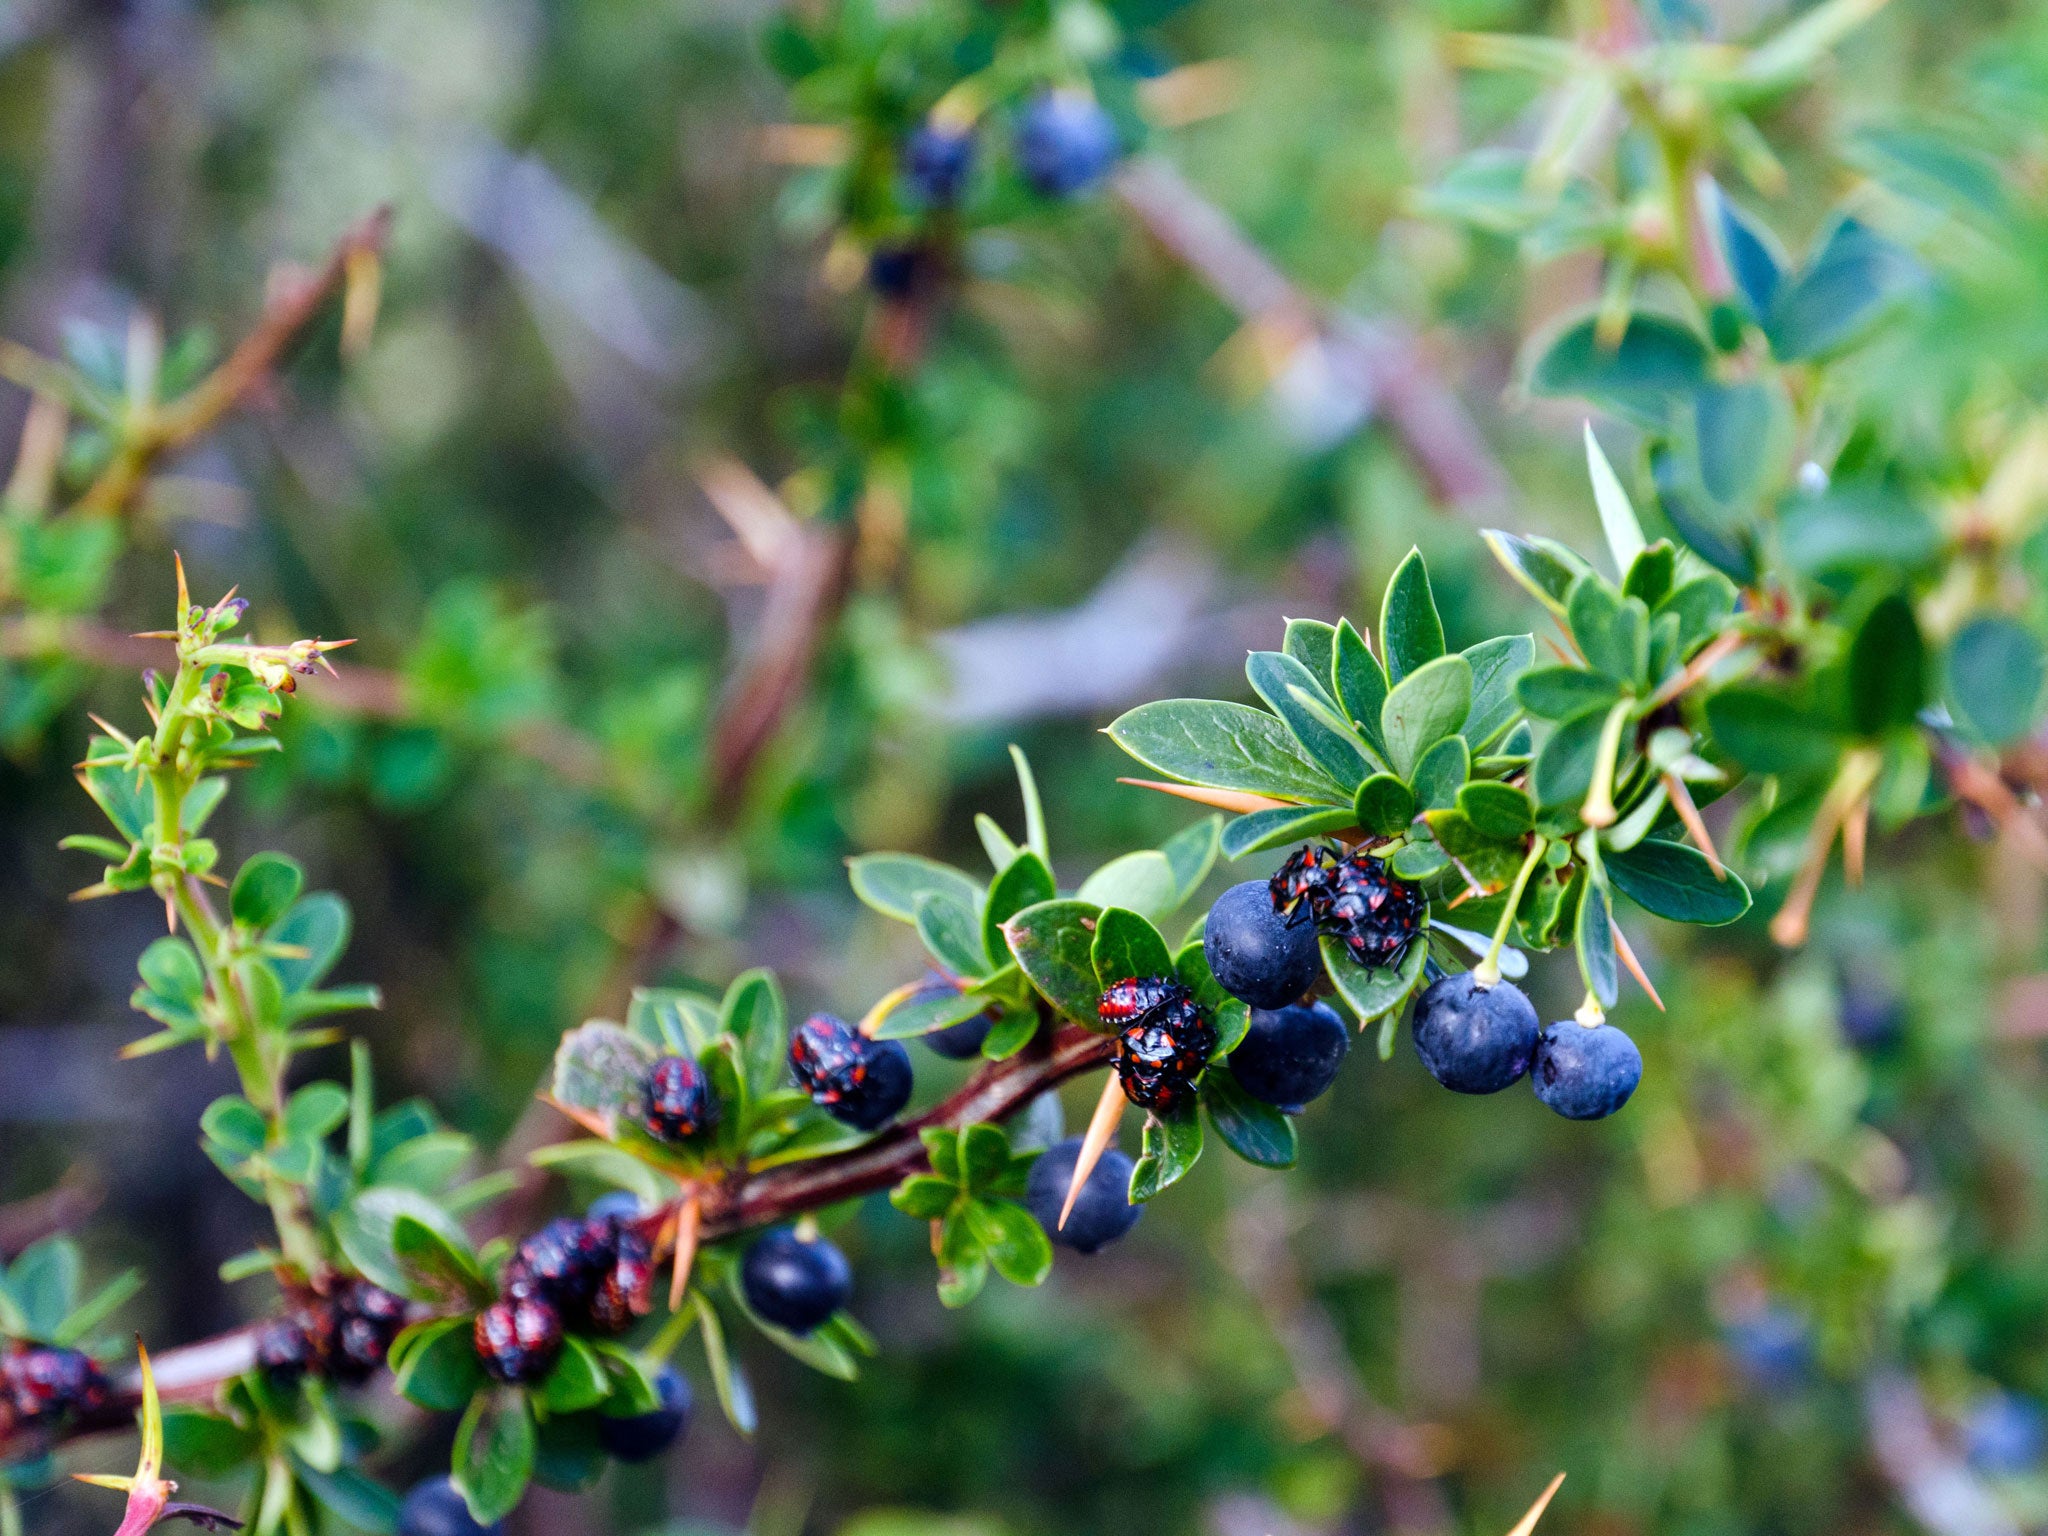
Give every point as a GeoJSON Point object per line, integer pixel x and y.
{"type": "Point", "coordinates": [1109, 1113]}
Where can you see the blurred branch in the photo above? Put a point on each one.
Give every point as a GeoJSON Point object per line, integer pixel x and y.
{"type": "Point", "coordinates": [1931, 1480]}
{"type": "Point", "coordinates": [295, 300]}
{"type": "Point", "coordinates": [1382, 361]}
{"type": "Point", "coordinates": [63, 1208]}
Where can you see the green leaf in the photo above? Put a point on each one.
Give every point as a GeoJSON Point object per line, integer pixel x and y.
{"type": "Point", "coordinates": [1373, 990]}
{"type": "Point", "coordinates": [265, 889]}
{"type": "Point", "coordinates": [1127, 945]}
{"type": "Point", "coordinates": [1173, 1142]}
{"type": "Point", "coordinates": [1559, 693]}
{"type": "Point", "coordinates": [236, 1124]}
{"type": "Point", "coordinates": [1657, 364]}
{"type": "Point", "coordinates": [952, 932]}
{"type": "Point", "coordinates": [1442, 773]}
{"type": "Point", "coordinates": [754, 1014]}
{"type": "Point", "coordinates": [1496, 665]}
{"type": "Point", "coordinates": [1143, 881]}
{"type": "Point", "coordinates": [1054, 943]}
{"type": "Point", "coordinates": [1650, 575]}
{"type": "Point", "coordinates": [1411, 634]}
{"type": "Point", "coordinates": [926, 1015]}
{"type": "Point", "coordinates": [1738, 438]}
{"type": "Point", "coordinates": [672, 1019]}
{"type": "Point", "coordinates": [577, 1380]}
{"type": "Point", "coordinates": [1192, 854]}
{"type": "Point", "coordinates": [438, 1258]}
{"type": "Point", "coordinates": [924, 1197]}
{"type": "Point", "coordinates": [1314, 644]}
{"type": "Point", "coordinates": [1292, 692]}
{"type": "Point", "coordinates": [963, 1265]}
{"type": "Point", "coordinates": [1754, 257]}
{"type": "Point", "coordinates": [366, 1228]}
{"type": "Point", "coordinates": [1497, 810]}
{"type": "Point", "coordinates": [319, 924]}
{"type": "Point", "coordinates": [1593, 939]}
{"type": "Point", "coordinates": [1361, 683]}
{"type": "Point", "coordinates": [1545, 568]}
{"type": "Point", "coordinates": [1676, 881]}
{"type": "Point", "coordinates": [1995, 673]}
{"type": "Point", "coordinates": [1012, 1031]}
{"type": "Point", "coordinates": [1026, 882]}
{"type": "Point", "coordinates": [170, 969]}
{"type": "Point", "coordinates": [1613, 632]}
{"type": "Point", "coordinates": [494, 1455]}
{"type": "Point", "coordinates": [202, 1444]}
{"type": "Point", "coordinates": [1723, 538]}
{"type": "Point", "coordinates": [984, 1156]}
{"type": "Point", "coordinates": [438, 1366]}
{"type": "Point", "coordinates": [1256, 830]}
{"type": "Point", "coordinates": [1887, 671]}
{"type": "Point", "coordinates": [995, 842]}
{"type": "Point", "coordinates": [1617, 516]}
{"type": "Point", "coordinates": [1222, 746]}
{"type": "Point", "coordinates": [43, 1281]}
{"type": "Point", "coordinates": [1384, 805]}
{"type": "Point", "coordinates": [1563, 770]}
{"type": "Point", "coordinates": [1857, 526]}
{"type": "Point", "coordinates": [1016, 1245]}
{"type": "Point", "coordinates": [354, 1498]}
{"type": "Point", "coordinates": [735, 1397]}
{"type": "Point", "coordinates": [315, 1111]}
{"type": "Point", "coordinates": [1767, 732]}
{"type": "Point", "coordinates": [1427, 705]}
{"type": "Point", "coordinates": [82, 1319]}
{"type": "Point", "coordinates": [599, 1068]}
{"type": "Point", "coordinates": [891, 883]}
{"type": "Point", "coordinates": [1034, 811]}
{"type": "Point", "coordinates": [1848, 282]}
{"type": "Point", "coordinates": [1255, 1131]}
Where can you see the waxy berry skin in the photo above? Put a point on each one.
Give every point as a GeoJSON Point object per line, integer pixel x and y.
{"type": "Point", "coordinates": [1290, 1056]}
{"type": "Point", "coordinates": [618, 1205]}
{"type": "Point", "coordinates": [1585, 1073]}
{"type": "Point", "coordinates": [1355, 900]}
{"type": "Point", "coordinates": [937, 162]}
{"type": "Point", "coordinates": [1475, 1039]}
{"type": "Point", "coordinates": [793, 1283]}
{"type": "Point", "coordinates": [43, 1384]}
{"type": "Point", "coordinates": [1163, 1048]}
{"type": "Point", "coordinates": [1065, 143]}
{"type": "Point", "coordinates": [956, 1042]}
{"type": "Point", "coordinates": [434, 1508]}
{"type": "Point", "coordinates": [677, 1101]}
{"type": "Point", "coordinates": [644, 1436]}
{"type": "Point", "coordinates": [856, 1080]}
{"type": "Point", "coordinates": [1102, 1211]}
{"type": "Point", "coordinates": [1254, 952]}
{"type": "Point", "coordinates": [518, 1338]}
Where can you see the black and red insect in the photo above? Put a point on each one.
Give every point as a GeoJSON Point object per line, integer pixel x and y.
{"type": "Point", "coordinates": [518, 1338]}
{"type": "Point", "coordinates": [1354, 899]}
{"type": "Point", "coordinates": [1164, 1041]}
{"type": "Point", "coordinates": [677, 1101]}
{"type": "Point", "coordinates": [829, 1059]}
{"type": "Point", "coordinates": [40, 1385]}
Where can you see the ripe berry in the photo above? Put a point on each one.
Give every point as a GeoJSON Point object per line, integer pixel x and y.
{"type": "Point", "coordinates": [1290, 1056]}
{"type": "Point", "coordinates": [795, 1283]}
{"type": "Point", "coordinates": [1255, 954]}
{"type": "Point", "coordinates": [1873, 1015]}
{"type": "Point", "coordinates": [1164, 1048]}
{"type": "Point", "coordinates": [518, 1338]}
{"type": "Point", "coordinates": [615, 1205]}
{"type": "Point", "coordinates": [937, 162]}
{"type": "Point", "coordinates": [1356, 900]}
{"type": "Point", "coordinates": [434, 1508]}
{"type": "Point", "coordinates": [1475, 1039]}
{"type": "Point", "coordinates": [42, 1385]}
{"type": "Point", "coordinates": [644, 1436]}
{"type": "Point", "coordinates": [1772, 1346]}
{"type": "Point", "coordinates": [1065, 143]}
{"type": "Point", "coordinates": [860, 1081]}
{"type": "Point", "coordinates": [1102, 1212]}
{"type": "Point", "coordinates": [956, 1042]}
{"type": "Point", "coordinates": [283, 1350]}
{"type": "Point", "coordinates": [903, 272]}
{"type": "Point", "coordinates": [677, 1099]}
{"type": "Point", "coordinates": [1585, 1073]}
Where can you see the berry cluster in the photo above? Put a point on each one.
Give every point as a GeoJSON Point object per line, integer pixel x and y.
{"type": "Point", "coordinates": [344, 1335]}
{"type": "Point", "coordinates": [1164, 1039]}
{"type": "Point", "coordinates": [1476, 1038]}
{"type": "Point", "coordinates": [594, 1273]}
{"type": "Point", "coordinates": [859, 1081]}
{"type": "Point", "coordinates": [1064, 143]}
{"type": "Point", "coordinates": [1354, 899]}
{"type": "Point", "coordinates": [41, 1386]}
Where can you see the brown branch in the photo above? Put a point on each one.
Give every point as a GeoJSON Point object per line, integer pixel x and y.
{"type": "Point", "coordinates": [1402, 384]}
{"type": "Point", "coordinates": [293, 303]}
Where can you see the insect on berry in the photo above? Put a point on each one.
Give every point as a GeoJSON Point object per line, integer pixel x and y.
{"type": "Point", "coordinates": [856, 1080]}
{"type": "Point", "coordinates": [1355, 900]}
{"type": "Point", "coordinates": [43, 1385]}
{"type": "Point", "coordinates": [1254, 952]}
{"type": "Point", "coordinates": [284, 1352]}
{"type": "Point", "coordinates": [1165, 1041]}
{"type": "Point", "coordinates": [518, 1338]}
{"type": "Point", "coordinates": [563, 1262]}
{"type": "Point", "coordinates": [626, 1291]}
{"type": "Point", "coordinates": [678, 1100]}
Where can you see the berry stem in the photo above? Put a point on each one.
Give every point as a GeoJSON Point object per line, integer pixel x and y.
{"type": "Point", "coordinates": [1487, 973]}
{"type": "Point", "coordinates": [1590, 1013]}
{"type": "Point", "coordinates": [1598, 810]}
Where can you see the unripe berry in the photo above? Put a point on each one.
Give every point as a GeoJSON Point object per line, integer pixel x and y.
{"type": "Point", "coordinates": [644, 1436]}
{"type": "Point", "coordinates": [1102, 1211]}
{"type": "Point", "coordinates": [793, 1282]}
{"type": "Point", "coordinates": [518, 1338]}
{"type": "Point", "coordinates": [1254, 952]}
{"type": "Point", "coordinates": [1475, 1039]}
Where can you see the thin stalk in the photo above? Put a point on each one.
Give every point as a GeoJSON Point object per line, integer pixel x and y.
{"type": "Point", "coordinates": [1598, 810]}
{"type": "Point", "coordinates": [1487, 973]}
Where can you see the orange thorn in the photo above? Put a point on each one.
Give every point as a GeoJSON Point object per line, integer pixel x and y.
{"type": "Point", "coordinates": [596, 1124]}
{"type": "Point", "coordinates": [1628, 958]}
{"type": "Point", "coordinates": [1223, 799]}
{"type": "Point", "coordinates": [686, 1247]}
{"type": "Point", "coordinates": [1695, 824]}
{"type": "Point", "coordinates": [184, 593]}
{"type": "Point", "coordinates": [1854, 833]}
{"type": "Point", "coordinates": [1527, 1523]}
{"type": "Point", "coordinates": [1109, 1113]}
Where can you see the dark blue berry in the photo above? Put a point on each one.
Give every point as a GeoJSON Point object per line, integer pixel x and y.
{"type": "Point", "coordinates": [615, 1205]}
{"type": "Point", "coordinates": [1585, 1074]}
{"type": "Point", "coordinates": [1065, 143]}
{"type": "Point", "coordinates": [644, 1436]}
{"type": "Point", "coordinates": [793, 1283]}
{"type": "Point", "coordinates": [854, 1079]}
{"type": "Point", "coordinates": [902, 272]}
{"type": "Point", "coordinates": [518, 1338]}
{"type": "Point", "coordinates": [284, 1351]}
{"type": "Point", "coordinates": [434, 1508]}
{"type": "Point", "coordinates": [1255, 954]}
{"type": "Point", "coordinates": [1772, 1347]}
{"type": "Point", "coordinates": [1290, 1056]}
{"type": "Point", "coordinates": [1102, 1212]}
{"type": "Point", "coordinates": [1475, 1039]}
{"type": "Point", "coordinates": [676, 1100]}
{"type": "Point", "coordinates": [937, 162]}
{"type": "Point", "coordinates": [1873, 1016]}
{"type": "Point", "coordinates": [2004, 1434]}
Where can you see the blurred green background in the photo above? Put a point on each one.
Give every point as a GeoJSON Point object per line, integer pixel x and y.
{"type": "Point", "coordinates": [1798, 1287]}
